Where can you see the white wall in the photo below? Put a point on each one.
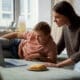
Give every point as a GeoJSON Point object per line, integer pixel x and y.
{"type": "Point", "coordinates": [76, 5]}
{"type": "Point", "coordinates": [17, 9]}
{"type": "Point", "coordinates": [44, 12]}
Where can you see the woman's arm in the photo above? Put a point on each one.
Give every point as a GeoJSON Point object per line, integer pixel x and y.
{"type": "Point", "coordinates": [76, 55]}
{"type": "Point", "coordinates": [66, 62]}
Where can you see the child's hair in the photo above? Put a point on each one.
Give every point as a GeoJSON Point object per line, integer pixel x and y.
{"type": "Point", "coordinates": [43, 27]}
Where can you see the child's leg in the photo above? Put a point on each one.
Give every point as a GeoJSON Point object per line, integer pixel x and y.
{"type": "Point", "coordinates": [5, 43]}
{"type": "Point", "coordinates": [5, 47]}
{"type": "Point", "coordinates": [14, 43]}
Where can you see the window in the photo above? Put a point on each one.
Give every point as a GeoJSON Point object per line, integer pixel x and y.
{"type": "Point", "coordinates": [29, 9]}
{"type": "Point", "coordinates": [35, 11]}
{"type": "Point", "coordinates": [6, 13]}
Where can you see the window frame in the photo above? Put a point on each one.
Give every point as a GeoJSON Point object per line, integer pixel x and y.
{"type": "Point", "coordinates": [13, 18]}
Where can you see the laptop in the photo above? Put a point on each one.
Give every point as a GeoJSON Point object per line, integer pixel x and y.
{"type": "Point", "coordinates": [2, 62]}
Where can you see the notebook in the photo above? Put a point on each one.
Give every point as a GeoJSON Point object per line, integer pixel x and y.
{"type": "Point", "coordinates": [15, 62]}
{"type": "Point", "coordinates": [5, 62]}
{"type": "Point", "coordinates": [11, 62]}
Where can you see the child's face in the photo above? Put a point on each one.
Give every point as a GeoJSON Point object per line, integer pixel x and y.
{"type": "Point", "coordinates": [42, 37]}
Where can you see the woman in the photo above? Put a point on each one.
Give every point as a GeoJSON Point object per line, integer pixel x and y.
{"type": "Point", "coordinates": [65, 16]}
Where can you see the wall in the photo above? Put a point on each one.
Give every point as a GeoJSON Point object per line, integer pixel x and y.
{"type": "Point", "coordinates": [17, 8]}
{"type": "Point", "coordinates": [44, 13]}
{"type": "Point", "coordinates": [76, 4]}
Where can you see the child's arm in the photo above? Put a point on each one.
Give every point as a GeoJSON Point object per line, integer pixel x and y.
{"type": "Point", "coordinates": [12, 35]}
{"type": "Point", "coordinates": [52, 57]}
{"type": "Point", "coordinates": [32, 56]}
{"type": "Point", "coordinates": [52, 54]}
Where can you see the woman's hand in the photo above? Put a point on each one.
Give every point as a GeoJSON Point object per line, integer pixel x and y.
{"type": "Point", "coordinates": [60, 64]}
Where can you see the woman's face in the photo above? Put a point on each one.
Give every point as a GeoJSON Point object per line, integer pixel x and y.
{"type": "Point", "coordinates": [59, 19]}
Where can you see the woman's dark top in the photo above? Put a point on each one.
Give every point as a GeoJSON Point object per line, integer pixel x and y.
{"type": "Point", "coordinates": [70, 40]}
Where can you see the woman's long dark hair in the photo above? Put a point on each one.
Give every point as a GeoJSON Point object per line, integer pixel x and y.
{"type": "Point", "coordinates": [66, 9]}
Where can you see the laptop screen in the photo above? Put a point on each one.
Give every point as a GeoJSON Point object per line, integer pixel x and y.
{"type": "Point", "coordinates": [1, 57]}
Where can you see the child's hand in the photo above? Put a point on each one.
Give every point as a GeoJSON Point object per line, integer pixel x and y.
{"type": "Point", "coordinates": [33, 56]}
{"type": "Point", "coordinates": [50, 64]}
